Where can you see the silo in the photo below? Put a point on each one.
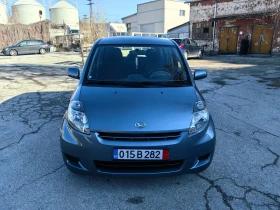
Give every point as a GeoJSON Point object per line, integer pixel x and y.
{"type": "Point", "coordinates": [64, 13]}
{"type": "Point", "coordinates": [3, 13]}
{"type": "Point", "coordinates": [28, 11]}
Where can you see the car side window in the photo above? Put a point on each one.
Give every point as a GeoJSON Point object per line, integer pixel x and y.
{"type": "Point", "coordinates": [32, 43]}
{"type": "Point", "coordinates": [193, 43]}
{"type": "Point", "coordinates": [22, 44]}
{"type": "Point", "coordinates": [187, 41]}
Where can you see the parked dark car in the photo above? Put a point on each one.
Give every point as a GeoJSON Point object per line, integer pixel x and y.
{"type": "Point", "coordinates": [26, 47]}
{"type": "Point", "coordinates": [189, 47]}
{"type": "Point", "coordinates": [137, 112]}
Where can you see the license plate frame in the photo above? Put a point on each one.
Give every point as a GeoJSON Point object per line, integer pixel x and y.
{"type": "Point", "coordinates": [141, 154]}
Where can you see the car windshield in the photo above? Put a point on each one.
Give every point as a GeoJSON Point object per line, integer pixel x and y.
{"type": "Point", "coordinates": [74, 31]}
{"type": "Point", "coordinates": [17, 43]}
{"type": "Point", "coordinates": [137, 65]}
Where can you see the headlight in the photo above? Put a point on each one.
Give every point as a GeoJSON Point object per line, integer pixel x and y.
{"type": "Point", "coordinates": [200, 117]}
{"type": "Point", "coordinates": [77, 117]}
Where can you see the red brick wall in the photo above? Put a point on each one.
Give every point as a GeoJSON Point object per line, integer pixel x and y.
{"type": "Point", "coordinates": [204, 11]}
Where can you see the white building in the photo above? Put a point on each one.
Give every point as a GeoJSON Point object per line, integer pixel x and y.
{"type": "Point", "coordinates": [158, 16]}
{"type": "Point", "coordinates": [181, 31]}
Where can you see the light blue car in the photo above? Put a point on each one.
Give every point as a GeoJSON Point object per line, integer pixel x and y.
{"type": "Point", "coordinates": [137, 112]}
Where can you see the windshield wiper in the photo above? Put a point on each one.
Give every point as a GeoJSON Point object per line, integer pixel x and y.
{"type": "Point", "coordinates": [173, 84]}
{"type": "Point", "coordinates": [140, 84]}
{"type": "Point", "coordinates": [118, 83]}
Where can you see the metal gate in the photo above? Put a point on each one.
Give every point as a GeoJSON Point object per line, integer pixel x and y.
{"type": "Point", "coordinates": [228, 40]}
{"type": "Point", "coordinates": [261, 41]}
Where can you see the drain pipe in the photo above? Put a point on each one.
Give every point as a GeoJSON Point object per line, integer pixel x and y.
{"type": "Point", "coordinates": [214, 25]}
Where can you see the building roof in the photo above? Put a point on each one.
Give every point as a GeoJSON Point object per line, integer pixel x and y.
{"type": "Point", "coordinates": [129, 16]}
{"type": "Point", "coordinates": [192, 1]}
{"type": "Point", "coordinates": [147, 2]}
{"type": "Point", "coordinates": [186, 23]}
{"type": "Point", "coordinates": [28, 2]}
{"type": "Point", "coordinates": [244, 15]}
{"type": "Point", "coordinates": [123, 40]}
{"type": "Point", "coordinates": [118, 27]}
{"type": "Point", "coordinates": [63, 4]}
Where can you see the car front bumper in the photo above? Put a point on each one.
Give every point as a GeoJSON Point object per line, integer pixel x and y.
{"type": "Point", "coordinates": [5, 52]}
{"type": "Point", "coordinates": [89, 154]}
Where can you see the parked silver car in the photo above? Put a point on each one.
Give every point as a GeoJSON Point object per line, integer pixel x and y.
{"type": "Point", "coordinates": [189, 47]}
{"type": "Point", "coordinates": [137, 112]}
{"type": "Point", "coordinates": [26, 47]}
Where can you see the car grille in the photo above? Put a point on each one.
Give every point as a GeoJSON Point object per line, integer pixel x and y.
{"type": "Point", "coordinates": [138, 166]}
{"type": "Point", "coordinates": [139, 136]}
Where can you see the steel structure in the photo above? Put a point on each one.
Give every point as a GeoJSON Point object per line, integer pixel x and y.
{"type": "Point", "coordinates": [3, 12]}
{"type": "Point", "coordinates": [29, 11]}
{"type": "Point", "coordinates": [11, 2]}
{"type": "Point", "coordinates": [65, 13]}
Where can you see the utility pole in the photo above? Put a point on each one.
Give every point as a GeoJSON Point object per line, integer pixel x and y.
{"type": "Point", "coordinates": [90, 17]}
{"type": "Point", "coordinates": [214, 23]}
{"type": "Point", "coordinates": [90, 12]}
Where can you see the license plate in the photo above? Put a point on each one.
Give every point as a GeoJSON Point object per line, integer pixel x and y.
{"type": "Point", "coordinates": [141, 154]}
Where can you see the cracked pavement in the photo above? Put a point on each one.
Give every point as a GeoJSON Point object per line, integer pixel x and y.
{"type": "Point", "coordinates": [243, 96]}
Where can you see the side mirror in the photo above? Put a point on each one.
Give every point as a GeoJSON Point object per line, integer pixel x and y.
{"type": "Point", "coordinates": [200, 74]}
{"type": "Point", "coordinates": [74, 73]}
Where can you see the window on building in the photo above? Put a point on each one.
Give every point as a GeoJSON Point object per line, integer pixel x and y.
{"type": "Point", "coordinates": [128, 25]}
{"type": "Point", "coordinates": [206, 30]}
{"type": "Point", "coordinates": [202, 30]}
{"type": "Point", "coordinates": [182, 12]}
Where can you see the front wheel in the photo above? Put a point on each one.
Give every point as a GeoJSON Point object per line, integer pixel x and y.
{"type": "Point", "coordinates": [42, 51]}
{"type": "Point", "coordinates": [13, 53]}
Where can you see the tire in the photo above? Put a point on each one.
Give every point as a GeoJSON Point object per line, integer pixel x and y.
{"type": "Point", "coordinates": [13, 53]}
{"type": "Point", "coordinates": [42, 51]}
{"type": "Point", "coordinates": [186, 55]}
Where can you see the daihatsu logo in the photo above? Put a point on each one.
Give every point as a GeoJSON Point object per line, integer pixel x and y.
{"type": "Point", "coordinates": [140, 125]}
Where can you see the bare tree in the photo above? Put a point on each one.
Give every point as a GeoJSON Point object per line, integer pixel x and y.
{"type": "Point", "coordinates": [12, 33]}
{"type": "Point", "coordinates": [96, 28]}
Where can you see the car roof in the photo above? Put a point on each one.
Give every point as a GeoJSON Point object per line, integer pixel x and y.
{"type": "Point", "coordinates": [31, 40]}
{"type": "Point", "coordinates": [181, 38]}
{"type": "Point", "coordinates": [135, 40]}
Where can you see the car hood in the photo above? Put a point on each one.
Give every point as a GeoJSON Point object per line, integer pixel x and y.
{"type": "Point", "coordinates": [110, 109]}
{"type": "Point", "coordinates": [9, 46]}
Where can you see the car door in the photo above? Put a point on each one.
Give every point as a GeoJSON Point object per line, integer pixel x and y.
{"type": "Point", "coordinates": [23, 47]}
{"type": "Point", "coordinates": [34, 46]}
{"type": "Point", "coordinates": [195, 47]}
{"type": "Point", "coordinates": [188, 47]}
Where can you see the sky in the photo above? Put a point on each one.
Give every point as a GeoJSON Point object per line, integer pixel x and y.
{"type": "Point", "coordinates": [114, 9]}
